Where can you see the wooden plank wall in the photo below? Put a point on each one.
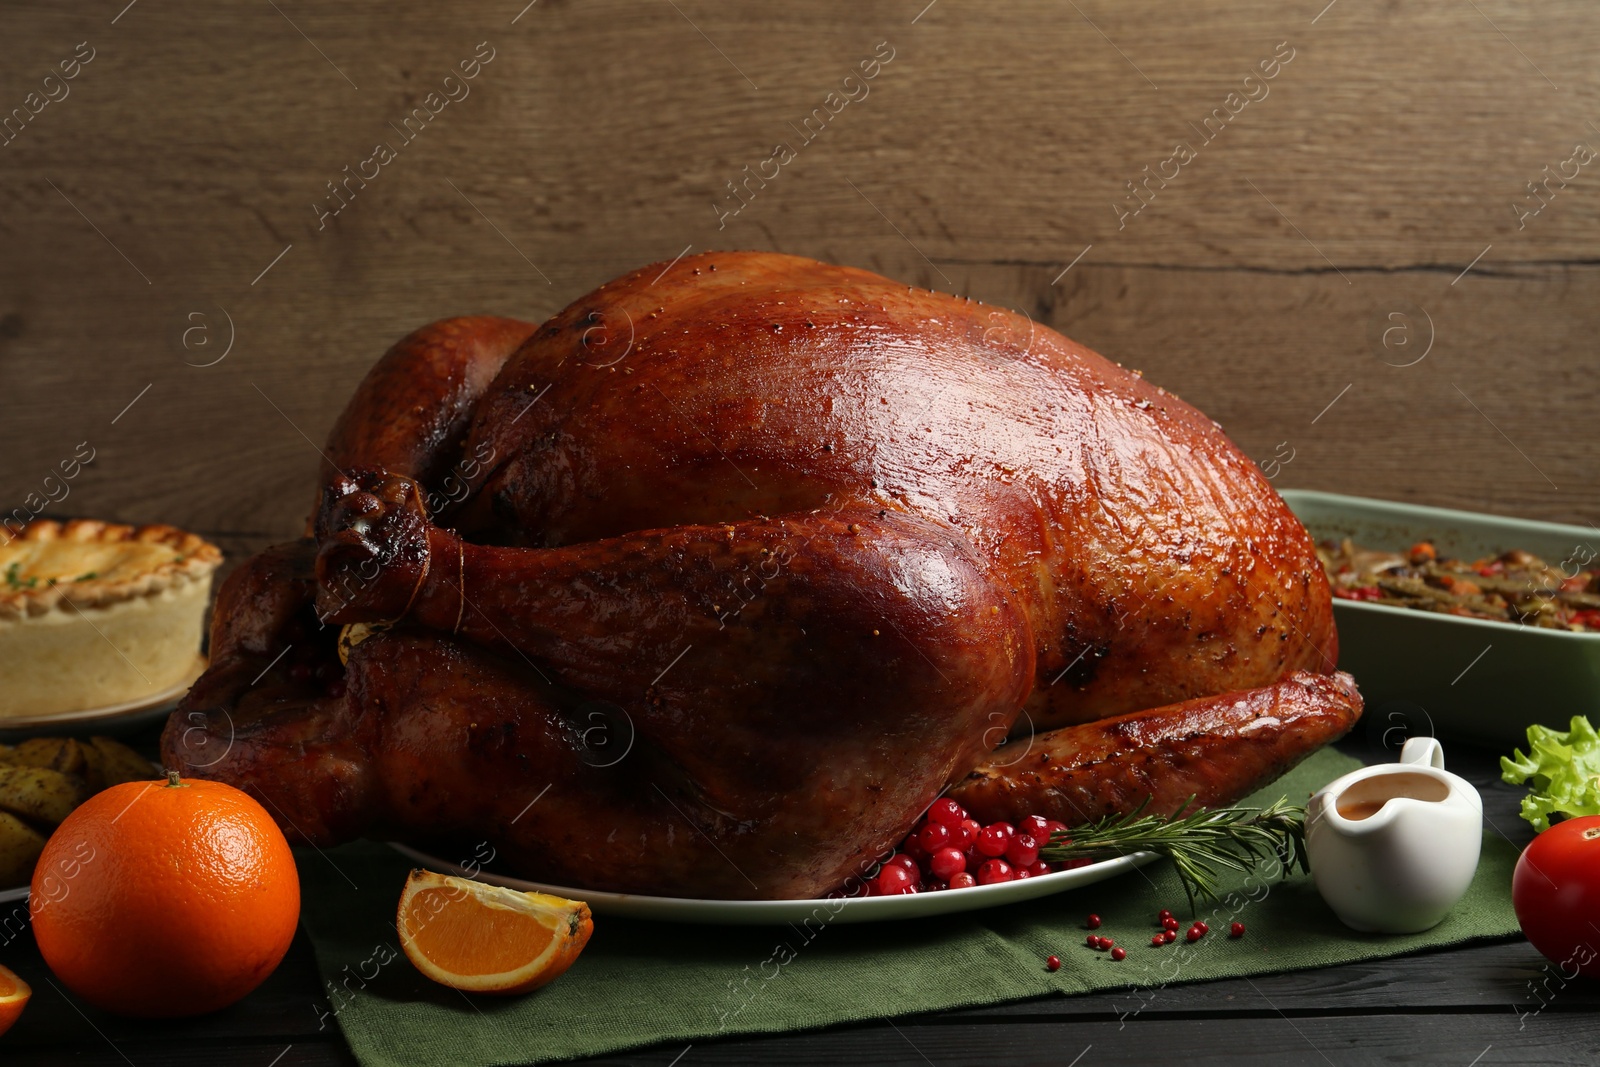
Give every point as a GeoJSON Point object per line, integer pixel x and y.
{"type": "Point", "coordinates": [1357, 230]}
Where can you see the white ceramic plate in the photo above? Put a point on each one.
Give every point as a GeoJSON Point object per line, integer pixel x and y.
{"type": "Point", "coordinates": [114, 718]}
{"type": "Point", "coordinates": [763, 912]}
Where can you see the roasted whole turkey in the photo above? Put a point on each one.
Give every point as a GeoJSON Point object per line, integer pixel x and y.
{"type": "Point", "coordinates": [711, 584]}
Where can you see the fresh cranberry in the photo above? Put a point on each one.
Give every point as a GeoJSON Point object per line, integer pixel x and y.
{"type": "Point", "coordinates": [906, 863]}
{"type": "Point", "coordinates": [994, 871]}
{"type": "Point", "coordinates": [1202, 927]}
{"type": "Point", "coordinates": [991, 841]}
{"type": "Point", "coordinates": [1092, 922]}
{"type": "Point", "coordinates": [1035, 826]}
{"type": "Point", "coordinates": [1052, 828]}
{"type": "Point", "coordinates": [947, 862]}
{"type": "Point", "coordinates": [1019, 873]}
{"type": "Point", "coordinates": [1093, 941]}
{"type": "Point", "coordinates": [934, 836]}
{"type": "Point", "coordinates": [968, 834]}
{"type": "Point", "coordinates": [1236, 930]}
{"type": "Point", "coordinates": [946, 812]}
{"type": "Point", "coordinates": [1052, 963]}
{"type": "Point", "coordinates": [1039, 867]}
{"type": "Point", "coordinates": [963, 880]}
{"type": "Point", "coordinates": [1072, 865]}
{"type": "Point", "coordinates": [1195, 933]}
{"type": "Point", "coordinates": [1163, 915]}
{"type": "Point", "coordinates": [1158, 940]}
{"type": "Point", "coordinates": [1169, 923]}
{"type": "Point", "coordinates": [1022, 851]}
{"type": "Point", "coordinates": [893, 880]}
{"type": "Point", "coordinates": [1119, 953]}
{"type": "Point", "coordinates": [1170, 936]}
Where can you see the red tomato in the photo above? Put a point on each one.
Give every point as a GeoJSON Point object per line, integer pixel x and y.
{"type": "Point", "coordinates": [1556, 892]}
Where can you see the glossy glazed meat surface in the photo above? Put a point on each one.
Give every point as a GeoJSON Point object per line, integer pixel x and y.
{"type": "Point", "coordinates": [1209, 750]}
{"type": "Point", "coordinates": [711, 583]}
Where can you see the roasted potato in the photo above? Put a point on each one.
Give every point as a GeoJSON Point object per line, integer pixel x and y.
{"type": "Point", "coordinates": [94, 767]}
{"type": "Point", "coordinates": [123, 764]}
{"type": "Point", "coordinates": [20, 845]}
{"type": "Point", "coordinates": [43, 779]}
{"type": "Point", "coordinates": [39, 793]}
{"type": "Point", "coordinates": [57, 753]}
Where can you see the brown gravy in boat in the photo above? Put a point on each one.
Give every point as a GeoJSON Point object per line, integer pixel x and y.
{"type": "Point", "coordinates": [1368, 796]}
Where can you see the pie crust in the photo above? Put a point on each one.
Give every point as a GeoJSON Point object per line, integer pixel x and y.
{"type": "Point", "coordinates": [95, 613]}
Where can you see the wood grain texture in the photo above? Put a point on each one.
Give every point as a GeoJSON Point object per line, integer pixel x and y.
{"type": "Point", "coordinates": [986, 155]}
{"type": "Point", "coordinates": [1268, 1039]}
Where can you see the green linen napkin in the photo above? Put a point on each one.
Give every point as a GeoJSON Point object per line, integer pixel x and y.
{"type": "Point", "coordinates": [642, 983]}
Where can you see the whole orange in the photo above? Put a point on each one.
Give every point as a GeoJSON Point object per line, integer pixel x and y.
{"type": "Point", "coordinates": [162, 899]}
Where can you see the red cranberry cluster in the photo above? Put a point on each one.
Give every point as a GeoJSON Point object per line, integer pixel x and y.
{"type": "Point", "coordinates": [948, 849]}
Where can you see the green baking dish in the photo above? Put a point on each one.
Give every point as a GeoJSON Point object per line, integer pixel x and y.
{"type": "Point", "coordinates": [1456, 677]}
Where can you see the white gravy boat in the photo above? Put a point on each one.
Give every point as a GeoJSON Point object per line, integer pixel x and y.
{"type": "Point", "coordinates": [1394, 846]}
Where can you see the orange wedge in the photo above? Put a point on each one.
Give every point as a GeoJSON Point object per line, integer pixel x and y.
{"type": "Point", "coordinates": [486, 938]}
{"type": "Point", "coordinates": [14, 994]}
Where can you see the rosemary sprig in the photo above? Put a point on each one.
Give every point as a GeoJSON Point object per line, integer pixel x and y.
{"type": "Point", "coordinates": [1200, 844]}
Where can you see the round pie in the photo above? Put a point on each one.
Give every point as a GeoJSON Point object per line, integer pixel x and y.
{"type": "Point", "coordinates": [94, 614]}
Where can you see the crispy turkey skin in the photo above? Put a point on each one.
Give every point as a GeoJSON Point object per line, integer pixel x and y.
{"type": "Point", "coordinates": [711, 583]}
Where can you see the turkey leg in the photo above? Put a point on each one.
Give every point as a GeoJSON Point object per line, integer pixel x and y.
{"type": "Point", "coordinates": [751, 652]}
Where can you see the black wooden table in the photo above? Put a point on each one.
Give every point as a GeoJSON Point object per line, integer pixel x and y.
{"type": "Point", "coordinates": [1483, 1006]}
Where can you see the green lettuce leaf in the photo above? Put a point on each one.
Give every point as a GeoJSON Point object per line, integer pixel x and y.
{"type": "Point", "coordinates": [1562, 771]}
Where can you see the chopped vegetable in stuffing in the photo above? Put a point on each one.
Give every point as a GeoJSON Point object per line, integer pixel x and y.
{"type": "Point", "coordinates": [1515, 586]}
